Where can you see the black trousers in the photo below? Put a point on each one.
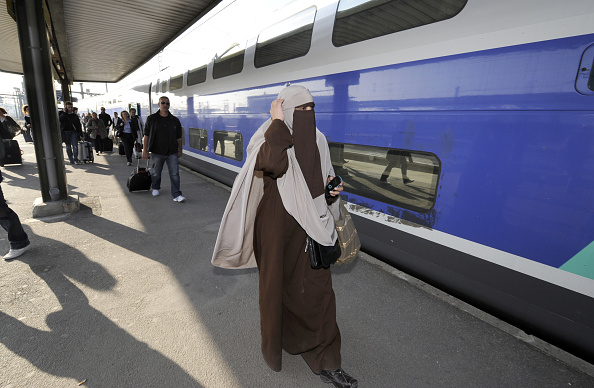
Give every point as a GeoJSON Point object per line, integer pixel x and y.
{"type": "Point", "coordinates": [128, 141]}
{"type": "Point", "coordinates": [10, 222]}
{"type": "Point", "coordinates": [98, 144]}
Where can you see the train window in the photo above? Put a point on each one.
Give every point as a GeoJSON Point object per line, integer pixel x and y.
{"type": "Point", "coordinates": [229, 63]}
{"type": "Point", "coordinates": [176, 82]}
{"type": "Point", "coordinates": [402, 178]}
{"type": "Point", "coordinates": [359, 20]}
{"type": "Point", "coordinates": [199, 139]}
{"type": "Point", "coordinates": [286, 40]}
{"type": "Point", "coordinates": [163, 86]}
{"type": "Point", "coordinates": [196, 76]}
{"type": "Point", "coordinates": [228, 144]}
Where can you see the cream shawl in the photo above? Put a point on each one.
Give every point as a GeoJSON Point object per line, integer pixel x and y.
{"type": "Point", "coordinates": [234, 246]}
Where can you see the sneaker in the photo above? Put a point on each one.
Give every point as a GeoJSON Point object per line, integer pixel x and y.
{"type": "Point", "coordinates": [14, 253]}
{"type": "Point", "coordinates": [407, 180]}
{"type": "Point", "coordinates": [179, 198]}
{"type": "Point", "coordinates": [129, 163]}
{"type": "Point", "coordinates": [155, 193]}
{"type": "Point", "coordinates": [339, 378]}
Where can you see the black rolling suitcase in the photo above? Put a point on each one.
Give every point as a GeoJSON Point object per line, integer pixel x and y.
{"type": "Point", "coordinates": [107, 145]}
{"type": "Point", "coordinates": [12, 152]}
{"type": "Point", "coordinates": [121, 149]}
{"type": "Point", "coordinates": [140, 178]}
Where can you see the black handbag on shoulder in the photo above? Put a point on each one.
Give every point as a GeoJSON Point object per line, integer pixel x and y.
{"type": "Point", "coordinates": [322, 256]}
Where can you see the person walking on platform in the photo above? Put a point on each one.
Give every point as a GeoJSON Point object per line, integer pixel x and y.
{"type": "Point", "coordinates": [140, 123]}
{"type": "Point", "coordinates": [71, 132]}
{"type": "Point", "coordinates": [127, 131]}
{"type": "Point", "coordinates": [277, 200]}
{"type": "Point", "coordinates": [115, 120]}
{"type": "Point", "coordinates": [8, 127]}
{"type": "Point", "coordinates": [85, 121]}
{"type": "Point", "coordinates": [19, 241]}
{"type": "Point", "coordinates": [27, 134]}
{"type": "Point", "coordinates": [96, 129]}
{"type": "Point", "coordinates": [106, 118]}
{"type": "Point", "coordinates": [163, 139]}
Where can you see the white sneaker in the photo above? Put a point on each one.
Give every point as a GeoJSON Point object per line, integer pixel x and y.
{"type": "Point", "coordinates": [155, 193]}
{"type": "Point", "coordinates": [179, 198]}
{"type": "Point", "coordinates": [14, 253]}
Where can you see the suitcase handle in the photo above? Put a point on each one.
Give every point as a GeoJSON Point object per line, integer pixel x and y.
{"type": "Point", "coordinates": [138, 163]}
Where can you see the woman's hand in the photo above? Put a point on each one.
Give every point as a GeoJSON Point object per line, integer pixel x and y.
{"type": "Point", "coordinates": [337, 189]}
{"type": "Point", "coordinates": [276, 110]}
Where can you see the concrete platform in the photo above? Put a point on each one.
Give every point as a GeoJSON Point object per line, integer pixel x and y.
{"type": "Point", "coordinates": [122, 294]}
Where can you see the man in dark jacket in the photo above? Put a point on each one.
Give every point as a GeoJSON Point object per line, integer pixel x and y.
{"type": "Point", "coordinates": [106, 118]}
{"type": "Point", "coordinates": [71, 132]}
{"type": "Point", "coordinates": [163, 139]}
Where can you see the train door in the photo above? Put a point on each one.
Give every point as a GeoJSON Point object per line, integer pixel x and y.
{"type": "Point", "coordinates": [585, 78]}
{"type": "Point", "coordinates": [150, 98]}
{"type": "Point", "coordinates": [135, 105]}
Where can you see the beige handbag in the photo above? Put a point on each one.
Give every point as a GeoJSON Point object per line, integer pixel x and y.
{"type": "Point", "coordinates": [347, 236]}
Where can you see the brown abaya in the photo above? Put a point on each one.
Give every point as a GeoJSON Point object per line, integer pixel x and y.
{"type": "Point", "coordinates": [297, 303]}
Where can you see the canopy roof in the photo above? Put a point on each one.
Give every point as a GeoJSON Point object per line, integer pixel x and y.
{"type": "Point", "coordinates": [103, 41]}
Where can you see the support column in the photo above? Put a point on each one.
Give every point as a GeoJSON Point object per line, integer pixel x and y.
{"type": "Point", "coordinates": [39, 86]}
{"type": "Point", "coordinates": [66, 93]}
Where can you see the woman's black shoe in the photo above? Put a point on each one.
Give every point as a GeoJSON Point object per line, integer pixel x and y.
{"type": "Point", "coordinates": [339, 378]}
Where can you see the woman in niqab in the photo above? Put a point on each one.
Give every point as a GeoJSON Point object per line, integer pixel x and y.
{"type": "Point", "coordinates": [277, 200]}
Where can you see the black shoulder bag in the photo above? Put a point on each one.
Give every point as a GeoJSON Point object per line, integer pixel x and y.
{"type": "Point", "coordinates": [321, 256]}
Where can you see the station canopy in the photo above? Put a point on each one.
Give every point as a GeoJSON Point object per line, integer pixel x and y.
{"type": "Point", "coordinates": [103, 41]}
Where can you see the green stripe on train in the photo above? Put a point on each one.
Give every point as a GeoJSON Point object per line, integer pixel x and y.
{"type": "Point", "coordinates": [583, 263]}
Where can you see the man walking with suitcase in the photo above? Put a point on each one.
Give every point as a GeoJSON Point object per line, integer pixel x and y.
{"type": "Point", "coordinates": [163, 139]}
{"type": "Point", "coordinates": [71, 132]}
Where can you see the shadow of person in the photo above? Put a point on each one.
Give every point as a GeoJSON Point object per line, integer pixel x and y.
{"type": "Point", "coordinates": [82, 343]}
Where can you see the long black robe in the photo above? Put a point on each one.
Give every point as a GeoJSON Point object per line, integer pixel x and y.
{"type": "Point", "coordinates": [297, 303]}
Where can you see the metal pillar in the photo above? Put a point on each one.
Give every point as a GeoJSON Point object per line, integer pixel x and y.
{"type": "Point", "coordinates": [39, 86]}
{"type": "Point", "coordinates": [66, 93]}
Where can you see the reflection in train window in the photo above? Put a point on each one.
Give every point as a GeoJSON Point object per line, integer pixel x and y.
{"type": "Point", "coordinates": [286, 40]}
{"type": "Point", "coordinates": [176, 82]}
{"type": "Point", "coordinates": [358, 20]}
{"type": "Point", "coordinates": [196, 76]}
{"type": "Point", "coordinates": [228, 144]}
{"type": "Point", "coordinates": [199, 139]}
{"type": "Point", "coordinates": [228, 63]}
{"type": "Point", "coordinates": [402, 178]}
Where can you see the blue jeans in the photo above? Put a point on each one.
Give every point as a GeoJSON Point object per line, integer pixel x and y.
{"type": "Point", "coordinates": [173, 167]}
{"type": "Point", "coordinates": [10, 222]}
{"type": "Point", "coordinates": [71, 140]}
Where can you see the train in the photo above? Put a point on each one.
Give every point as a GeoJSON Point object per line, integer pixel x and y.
{"type": "Point", "coordinates": [463, 131]}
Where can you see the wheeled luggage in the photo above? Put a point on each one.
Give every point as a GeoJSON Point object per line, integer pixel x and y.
{"type": "Point", "coordinates": [85, 151]}
{"type": "Point", "coordinates": [107, 145]}
{"type": "Point", "coordinates": [140, 178]}
{"type": "Point", "coordinates": [12, 152]}
{"type": "Point", "coordinates": [121, 149]}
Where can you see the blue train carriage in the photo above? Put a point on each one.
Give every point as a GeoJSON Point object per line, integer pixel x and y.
{"type": "Point", "coordinates": [463, 131]}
